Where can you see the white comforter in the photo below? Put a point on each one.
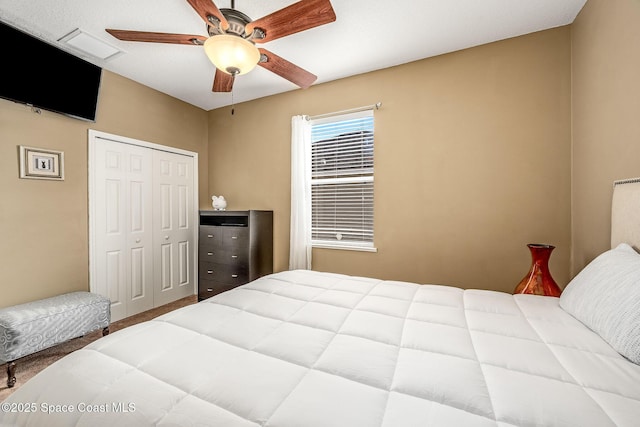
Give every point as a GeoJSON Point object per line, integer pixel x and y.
{"type": "Point", "coordinates": [306, 349]}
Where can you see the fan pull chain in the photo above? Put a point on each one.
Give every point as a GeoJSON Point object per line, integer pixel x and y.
{"type": "Point", "coordinates": [233, 110]}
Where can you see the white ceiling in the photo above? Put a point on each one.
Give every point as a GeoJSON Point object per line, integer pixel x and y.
{"type": "Point", "coordinates": [367, 35]}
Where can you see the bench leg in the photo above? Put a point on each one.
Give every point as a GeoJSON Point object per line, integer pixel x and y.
{"type": "Point", "coordinates": [11, 374]}
{"type": "Point", "coordinates": [105, 331]}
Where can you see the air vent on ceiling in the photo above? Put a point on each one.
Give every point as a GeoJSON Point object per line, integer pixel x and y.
{"type": "Point", "coordinates": [82, 41]}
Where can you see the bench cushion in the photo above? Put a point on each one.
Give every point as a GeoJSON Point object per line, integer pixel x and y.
{"type": "Point", "coordinates": [34, 326]}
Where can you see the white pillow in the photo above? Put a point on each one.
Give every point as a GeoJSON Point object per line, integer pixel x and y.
{"type": "Point", "coordinates": [605, 296]}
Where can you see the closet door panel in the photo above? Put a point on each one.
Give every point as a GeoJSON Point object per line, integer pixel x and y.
{"type": "Point", "coordinates": [123, 227]}
{"type": "Point", "coordinates": [173, 229]}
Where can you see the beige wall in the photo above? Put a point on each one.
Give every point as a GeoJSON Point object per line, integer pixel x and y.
{"type": "Point", "coordinates": [43, 224]}
{"type": "Point", "coordinates": [472, 155]}
{"type": "Point", "coordinates": [606, 111]}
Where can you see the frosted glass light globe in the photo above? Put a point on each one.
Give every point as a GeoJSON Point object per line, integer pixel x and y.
{"type": "Point", "coordinates": [232, 54]}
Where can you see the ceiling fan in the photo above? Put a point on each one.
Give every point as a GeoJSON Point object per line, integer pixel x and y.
{"type": "Point", "coordinates": [233, 35]}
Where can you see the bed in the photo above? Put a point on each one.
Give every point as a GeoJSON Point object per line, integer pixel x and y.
{"type": "Point", "coordinates": [305, 349]}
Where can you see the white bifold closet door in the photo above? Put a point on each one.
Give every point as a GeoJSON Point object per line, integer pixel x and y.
{"type": "Point", "coordinates": [174, 249]}
{"type": "Point", "coordinates": [143, 231]}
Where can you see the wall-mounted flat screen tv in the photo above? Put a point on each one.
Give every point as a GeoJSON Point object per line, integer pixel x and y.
{"type": "Point", "coordinates": [39, 74]}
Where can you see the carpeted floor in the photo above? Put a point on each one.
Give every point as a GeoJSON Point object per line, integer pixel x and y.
{"type": "Point", "coordinates": [28, 366]}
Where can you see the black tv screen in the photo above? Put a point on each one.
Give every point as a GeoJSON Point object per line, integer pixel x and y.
{"type": "Point", "coordinates": [39, 74]}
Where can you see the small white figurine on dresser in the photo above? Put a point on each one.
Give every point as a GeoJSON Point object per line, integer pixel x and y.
{"type": "Point", "coordinates": [218, 203]}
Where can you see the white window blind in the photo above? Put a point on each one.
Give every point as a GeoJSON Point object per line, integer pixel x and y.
{"type": "Point", "coordinates": [342, 181]}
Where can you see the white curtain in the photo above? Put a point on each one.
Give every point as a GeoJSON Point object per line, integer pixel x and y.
{"type": "Point", "coordinates": [300, 244]}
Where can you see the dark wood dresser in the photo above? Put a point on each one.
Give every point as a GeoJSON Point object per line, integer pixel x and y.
{"type": "Point", "coordinates": [235, 247]}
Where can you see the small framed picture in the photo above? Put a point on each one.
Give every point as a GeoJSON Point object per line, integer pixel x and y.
{"type": "Point", "coordinates": [39, 163]}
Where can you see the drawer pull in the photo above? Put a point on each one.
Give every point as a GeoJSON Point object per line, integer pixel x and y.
{"type": "Point", "coordinates": [209, 289]}
{"type": "Point", "coordinates": [234, 237]}
{"type": "Point", "coordinates": [209, 253]}
{"type": "Point", "coordinates": [235, 276]}
{"type": "Point", "coordinates": [209, 271]}
{"type": "Point", "coordinates": [210, 236]}
{"type": "Point", "coordinates": [234, 256]}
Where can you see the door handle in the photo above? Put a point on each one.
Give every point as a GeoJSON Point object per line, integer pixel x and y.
{"type": "Point", "coordinates": [234, 256]}
{"type": "Point", "coordinates": [209, 271]}
{"type": "Point", "coordinates": [137, 240]}
{"type": "Point", "coordinates": [166, 237]}
{"type": "Point", "coordinates": [235, 276]}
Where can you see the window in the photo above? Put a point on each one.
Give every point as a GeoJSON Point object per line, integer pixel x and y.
{"type": "Point", "coordinates": [342, 181]}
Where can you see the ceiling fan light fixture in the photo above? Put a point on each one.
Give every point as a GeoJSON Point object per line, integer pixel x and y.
{"type": "Point", "coordinates": [231, 54]}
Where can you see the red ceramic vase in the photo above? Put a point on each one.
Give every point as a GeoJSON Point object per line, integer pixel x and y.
{"type": "Point", "coordinates": [539, 281]}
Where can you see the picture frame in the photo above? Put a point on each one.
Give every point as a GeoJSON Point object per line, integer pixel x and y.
{"type": "Point", "coordinates": [41, 163]}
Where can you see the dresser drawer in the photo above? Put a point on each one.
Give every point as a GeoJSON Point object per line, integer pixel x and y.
{"type": "Point", "coordinates": [238, 258]}
{"type": "Point", "coordinates": [235, 238]}
{"type": "Point", "coordinates": [223, 273]}
{"type": "Point", "coordinates": [209, 288]}
{"type": "Point", "coordinates": [208, 254]}
{"type": "Point", "coordinates": [210, 237]}
{"type": "Point", "coordinates": [230, 256]}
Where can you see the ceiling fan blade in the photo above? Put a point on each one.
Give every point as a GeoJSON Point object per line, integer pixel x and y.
{"type": "Point", "coordinates": [206, 8]}
{"type": "Point", "coordinates": [300, 16]}
{"type": "Point", "coordinates": [143, 36]}
{"type": "Point", "coordinates": [286, 69]}
{"type": "Point", "coordinates": [223, 82]}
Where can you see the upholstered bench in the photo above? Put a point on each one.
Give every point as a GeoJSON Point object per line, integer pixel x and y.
{"type": "Point", "coordinates": [34, 326]}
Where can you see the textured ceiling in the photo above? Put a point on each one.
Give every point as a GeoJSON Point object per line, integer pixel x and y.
{"type": "Point", "coordinates": [367, 35]}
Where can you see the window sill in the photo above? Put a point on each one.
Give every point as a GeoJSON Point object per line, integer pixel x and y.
{"type": "Point", "coordinates": [344, 247]}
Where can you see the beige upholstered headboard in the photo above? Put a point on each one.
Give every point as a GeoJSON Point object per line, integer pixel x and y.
{"type": "Point", "coordinates": [625, 213]}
